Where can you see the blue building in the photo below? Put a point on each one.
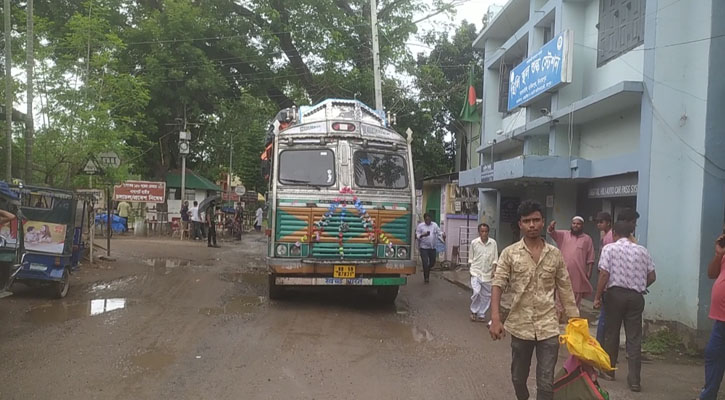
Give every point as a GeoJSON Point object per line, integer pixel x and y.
{"type": "Point", "coordinates": [600, 105]}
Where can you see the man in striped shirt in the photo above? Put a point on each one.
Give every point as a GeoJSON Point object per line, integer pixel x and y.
{"type": "Point", "coordinates": [627, 270]}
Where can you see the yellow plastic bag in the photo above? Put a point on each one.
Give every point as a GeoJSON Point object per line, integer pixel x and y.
{"type": "Point", "coordinates": [583, 346]}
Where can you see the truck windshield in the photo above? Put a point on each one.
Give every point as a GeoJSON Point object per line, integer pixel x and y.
{"type": "Point", "coordinates": [380, 170]}
{"type": "Point", "coordinates": [307, 167]}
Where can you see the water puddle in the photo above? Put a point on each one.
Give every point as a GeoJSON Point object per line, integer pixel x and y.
{"type": "Point", "coordinates": [421, 335]}
{"type": "Point", "coordinates": [153, 360]}
{"type": "Point", "coordinates": [250, 278]}
{"type": "Point", "coordinates": [238, 305]}
{"type": "Point", "coordinates": [165, 266]}
{"type": "Point", "coordinates": [117, 284]}
{"type": "Point", "coordinates": [399, 331]}
{"type": "Point", "coordinates": [60, 312]}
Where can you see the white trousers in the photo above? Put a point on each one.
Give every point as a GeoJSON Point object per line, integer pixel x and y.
{"type": "Point", "coordinates": [481, 299]}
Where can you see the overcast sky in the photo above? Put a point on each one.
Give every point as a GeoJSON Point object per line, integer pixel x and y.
{"type": "Point", "coordinates": [469, 10]}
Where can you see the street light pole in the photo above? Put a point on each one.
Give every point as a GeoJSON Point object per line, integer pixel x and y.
{"type": "Point", "coordinates": [183, 170]}
{"type": "Point", "coordinates": [376, 56]}
{"type": "Point", "coordinates": [229, 175]}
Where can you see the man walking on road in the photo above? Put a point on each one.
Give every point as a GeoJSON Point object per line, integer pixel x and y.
{"type": "Point", "coordinates": [627, 270]}
{"type": "Point", "coordinates": [533, 270]}
{"type": "Point", "coordinates": [184, 218]}
{"type": "Point", "coordinates": [211, 225]}
{"type": "Point", "coordinates": [715, 349]}
{"type": "Point", "coordinates": [123, 209]}
{"type": "Point", "coordinates": [427, 234]}
{"type": "Point", "coordinates": [482, 258]}
{"type": "Point", "coordinates": [258, 217]}
{"type": "Point", "coordinates": [578, 252]}
{"type": "Point", "coordinates": [604, 224]}
{"type": "Point", "coordinates": [195, 221]}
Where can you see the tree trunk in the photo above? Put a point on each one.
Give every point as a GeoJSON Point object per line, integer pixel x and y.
{"type": "Point", "coordinates": [29, 125]}
{"type": "Point", "coordinates": [8, 95]}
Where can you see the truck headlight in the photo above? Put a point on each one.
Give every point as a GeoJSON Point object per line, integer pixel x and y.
{"type": "Point", "coordinates": [295, 250]}
{"type": "Point", "coordinates": [389, 252]}
{"type": "Point", "coordinates": [281, 249]}
{"type": "Point", "coordinates": [402, 252]}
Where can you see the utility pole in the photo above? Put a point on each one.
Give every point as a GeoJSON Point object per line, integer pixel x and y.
{"type": "Point", "coordinates": [29, 126]}
{"type": "Point", "coordinates": [8, 96]}
{"type": "Point", "coordinates": [376, 56]}
{"type": "Point", "coordinates": [231, 151]}
{"type": "Point", "coordinates": [183, 169]}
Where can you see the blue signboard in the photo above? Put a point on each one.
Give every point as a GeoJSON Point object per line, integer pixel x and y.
{"type": "Point", "coordinates": [547, 69]}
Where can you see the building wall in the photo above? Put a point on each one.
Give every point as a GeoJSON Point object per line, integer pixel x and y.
{"type": "Point", "coordinates": [674, 132]}
{"type": "Point", "coordinates": [676, 136]}
{"type": "Point", "coordinates": [491, 117]}
{"type": "Point", "coordinates": [610, 136]}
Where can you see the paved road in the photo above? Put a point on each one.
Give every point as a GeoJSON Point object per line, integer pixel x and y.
{"type": "Point", "coordinates": [178, 320]}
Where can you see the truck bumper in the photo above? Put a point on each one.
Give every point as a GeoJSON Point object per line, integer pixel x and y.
{"type": "Point", "coordinates": [296, 267]}
{"type": "Point", "coordinates": [329, 281]}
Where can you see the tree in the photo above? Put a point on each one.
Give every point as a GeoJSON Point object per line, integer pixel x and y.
{"type": "Point", "coordinates": [90, 105]}
{"type": "Point", "coordinates": [442, 78]}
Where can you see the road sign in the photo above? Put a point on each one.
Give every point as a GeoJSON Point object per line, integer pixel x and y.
{"type": "Point", "coordinates": [108, 159]}
{"type": "Point", "coordinates": [240, 190]}
{"type": "Point", "coordinates": [91, 168]}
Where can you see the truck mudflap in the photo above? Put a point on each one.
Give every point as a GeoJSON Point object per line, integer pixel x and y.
{"type": "Point", "coordinates": [330, 281]}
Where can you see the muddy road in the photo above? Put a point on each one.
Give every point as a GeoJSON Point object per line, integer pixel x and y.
{"type": "Point", "coordinates": [178, 320]}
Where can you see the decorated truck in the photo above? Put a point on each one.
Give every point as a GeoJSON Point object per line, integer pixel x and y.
{"type": "Point", "coordinates": [340, 200]}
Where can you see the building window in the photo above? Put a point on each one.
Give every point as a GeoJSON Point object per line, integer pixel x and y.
{"type": "Point", "coordinates": [503, 89]}
{"type": "Point", "coordinates": [621, 28]}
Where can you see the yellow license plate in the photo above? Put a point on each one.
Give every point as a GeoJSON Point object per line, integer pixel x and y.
{"type": "Point", "coordinates": [344, 271]}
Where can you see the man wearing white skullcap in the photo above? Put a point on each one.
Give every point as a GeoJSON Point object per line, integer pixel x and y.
{"type": "Point", "coordinates": [577, 249]}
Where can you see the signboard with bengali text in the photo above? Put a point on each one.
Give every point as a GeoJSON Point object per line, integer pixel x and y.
{"type": "Point", "coordinates": [547, 69]}
{"type": "Point", "coordinates": [140, 191]}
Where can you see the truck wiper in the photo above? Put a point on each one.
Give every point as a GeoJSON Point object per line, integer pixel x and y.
{"type": "Point", "coordinates": [299, 181]}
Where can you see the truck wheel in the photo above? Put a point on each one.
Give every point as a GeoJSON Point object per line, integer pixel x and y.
{"type": "Point", "coordinates": [275, 291]}
{"type": "Point", "coordinates": [60, 289]}
{"type": "Point", "coordinates": [387, 294]}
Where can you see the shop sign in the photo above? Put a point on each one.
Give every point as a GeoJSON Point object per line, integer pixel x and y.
{"type": "Point", "coordinates": [487, 173]}
{"type": "Point", "coordinates": [617, 186]}
{"type": "Point", "coordinates": [140, 191]}
{"type": "Point", "coordinates": [546, 70]}
{"type": "Point", "coordinates": [226, 196]}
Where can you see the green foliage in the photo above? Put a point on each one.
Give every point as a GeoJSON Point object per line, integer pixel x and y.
{"type": "Point", "coordinates": [662, 342]}
{"type": "Point", "coordinates": [125, 76]}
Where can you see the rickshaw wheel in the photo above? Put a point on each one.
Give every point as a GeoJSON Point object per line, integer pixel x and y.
{"type": "Point", "coordinates": [61, 288]}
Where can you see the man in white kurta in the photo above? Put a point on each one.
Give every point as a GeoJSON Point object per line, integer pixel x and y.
{"type": "Point", "coordinates": [482, 258]}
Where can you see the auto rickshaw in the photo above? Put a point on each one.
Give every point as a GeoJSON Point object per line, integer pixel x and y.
{"type": "Point", "coordinates": [51, 232]}
{"type": "Point", "coordinates": [11, 243]}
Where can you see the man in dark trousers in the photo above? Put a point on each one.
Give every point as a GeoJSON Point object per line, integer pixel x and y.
{"type": "Point", "coordinates": [533, 271]}
{"type": "Point", "coordinates": [427, 233]}
{"type": "Point", "coordinates": [211, 225]}
{"type": "Point", "coordinates": [626, 270]}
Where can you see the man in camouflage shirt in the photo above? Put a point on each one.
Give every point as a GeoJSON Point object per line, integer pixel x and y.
{"type": "Point", "coordinates": [532, 270]}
